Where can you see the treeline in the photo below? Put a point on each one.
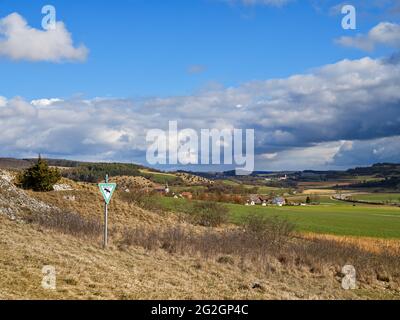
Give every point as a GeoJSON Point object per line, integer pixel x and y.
{"type": "Point", "coordinates": [221, 188]}
{"type": "Point", "coordinates": [220, 197]}
{"type": "Point", "coordinates": [95, 172]}
{"type": "Point", "coordinates": [282, 184]}
{"type": "Point", "coordinates": [379, 169]}
{"type": "Point", "coordinates": [219, 192]}
{"type": "Point", "coordinates": [64, 163]}
{"type": "Point", "coordinates": [387, 183]}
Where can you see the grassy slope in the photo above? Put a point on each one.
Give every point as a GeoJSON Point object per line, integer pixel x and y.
{"type": "Point", "coordinates": [85, 271]}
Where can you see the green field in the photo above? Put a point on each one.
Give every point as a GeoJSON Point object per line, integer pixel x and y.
{"type": "Point", "coordinates": [322, 199]}
{"type": "Point", "coordinates": [379, 197]}
{"type": "Point", "coordinates": [159, 177]}
{"type": "Point", "coordinates": [268, 190]}
{"type": "Point", "coordinates": [261, 189]}
{"type": "Point", "coordinates": [367, 178]}
{"type": "Point", "coordinates": [366, 221]}
{"type": "Point", "coordinates": [230, 182]}
{"type": "Point", "coordinates": [333, 217]}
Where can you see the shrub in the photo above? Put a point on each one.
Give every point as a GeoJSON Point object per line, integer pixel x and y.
{"type": "Point", "coordinates": [315, 199]}
{"type": "Point", "coordinates": [143, 237]}
{"type": "Point", "coordinates": [270, 229]}
{"type": "Point", "coordinates": [209, 244]}
{"type": "Point", "coordinates": [245, 245]}
{"type": "Point", "coordinates": [68, 223]}
{"type": "Point", "coordinates": [39, 177]}
{"type": "Point", "coordinates": [209, 214]}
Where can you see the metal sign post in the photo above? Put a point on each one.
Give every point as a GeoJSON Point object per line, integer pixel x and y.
{"type": "Point", "coordinates": [107, 190]}
{"type": "Point", "coordinates": [105, 243]}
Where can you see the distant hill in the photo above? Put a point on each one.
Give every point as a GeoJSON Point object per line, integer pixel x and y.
{"type": "Point", "coordinates": [381, 169]}
{"type": "Point", "coordinates": [387, 183]}
{"type": "Point", "coordinates": [92, 172]}
{"type": "Point", "coordinates": [10, 163]}
{"type": "Point", "coordinates": [77, 170]}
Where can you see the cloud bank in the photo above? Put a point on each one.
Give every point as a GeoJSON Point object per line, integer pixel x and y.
{"type": "Point", "coordinates": [339, 115]}
{"type": "Point", "coordinates": [19, 41]}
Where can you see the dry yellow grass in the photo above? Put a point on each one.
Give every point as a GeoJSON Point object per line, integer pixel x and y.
{"type": "Point", "coordinates": [126, 182]}
{"type": "Point", "coordinates": [89, 203]}
{"type": "Point", "coordinates": [85, 271]}
{"type": "Point", "coordinates": [374, 245]}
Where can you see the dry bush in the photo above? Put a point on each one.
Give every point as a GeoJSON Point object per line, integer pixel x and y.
{"type": "Point", "coordinates": [67, 223]}
{"type": "Point", "coordinates": [246, 244]}
{"type": "Point", "coordinates": [205, 213]}
{"type": "Point", "coordinates": [369, 265]}
{"type": "Point", "coordinates": [208, 214]}
{"type": "Point", "coordinates": [209, 244]}
{"type": "Point", "coordinates": [269, 229]}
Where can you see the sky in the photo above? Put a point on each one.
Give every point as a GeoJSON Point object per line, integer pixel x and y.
{"type": "Point", "coordinates": [318, 96]}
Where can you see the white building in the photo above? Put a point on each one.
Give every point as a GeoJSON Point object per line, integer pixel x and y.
{"type": "Point", "coordinates": [279, 201]}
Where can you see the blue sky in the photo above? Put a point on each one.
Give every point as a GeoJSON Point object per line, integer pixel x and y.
{"type": "Point", "coordinates": [135, 55]}
{"type": "Point", "coordinates": [145, 48]}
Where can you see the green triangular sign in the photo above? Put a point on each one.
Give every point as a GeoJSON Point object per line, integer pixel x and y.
{"type": "Point", "coordinates": [107, 190]}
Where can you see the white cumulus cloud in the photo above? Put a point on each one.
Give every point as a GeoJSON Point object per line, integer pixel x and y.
{"type": "Point", "coordinates": [385, 33]}
{"type": "Point", "coordinates": [45, 102]}
{"type": "Point", "coordinates": [19, 41]}
{"type": "Point", "coordinates": [3, 101]}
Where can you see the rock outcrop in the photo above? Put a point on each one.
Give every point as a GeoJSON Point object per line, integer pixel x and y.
{"type": "Point", "coordinates": [14, 201]}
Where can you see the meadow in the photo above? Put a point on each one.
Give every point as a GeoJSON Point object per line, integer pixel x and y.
{"type": "Point", "coordinates": [379, 197]}
{"type": "Point", "coordinates": [159, 177]}
{"type": "Point", "coordinates": [330, 217]}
